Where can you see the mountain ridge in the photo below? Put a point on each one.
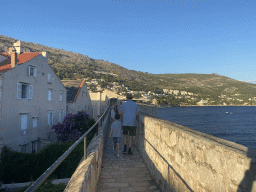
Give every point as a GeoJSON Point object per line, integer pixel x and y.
{"type": "Point", "coordinates": [70, 65]}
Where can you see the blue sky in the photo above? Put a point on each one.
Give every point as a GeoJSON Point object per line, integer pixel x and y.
{"type": "Point", "coordinates": [155, 36]}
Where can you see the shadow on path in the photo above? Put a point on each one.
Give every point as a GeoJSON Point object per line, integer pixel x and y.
{"type": "Point", "coordinates": [250, 175]}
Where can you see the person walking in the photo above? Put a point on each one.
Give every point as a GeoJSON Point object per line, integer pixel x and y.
{"type": "Point", "coordinates": [113, 112]}
{"type": "Point", "coordinates": [115, 133]}
{"type": "Point", "coordinates": [129, 110]}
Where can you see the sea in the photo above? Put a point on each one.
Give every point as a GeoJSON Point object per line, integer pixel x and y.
{"type": "Point", "coordinates": [233, 123]}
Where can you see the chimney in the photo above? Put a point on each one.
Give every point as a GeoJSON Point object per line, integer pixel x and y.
{"type": "Point", "coordinates": [13, 57]}
{"type": "Point", "coordinates": [19, 47]}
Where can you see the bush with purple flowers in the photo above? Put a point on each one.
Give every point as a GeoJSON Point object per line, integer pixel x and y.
{"type": "Point", "coordinates": [73, 126]}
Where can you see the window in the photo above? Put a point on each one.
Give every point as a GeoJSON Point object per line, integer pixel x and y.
{"type": "Point", "coordinates": [50, 118]}
{"type": "Point", "coordinates": [24, 91]}
{"type": "Point", "coordinates": [61, 95]}
{"type": "Point", "coordinates": [32, 71]}
{"type": "Point", "coordinates": [23, 148]}
{"type": "Point", "coordinates": [34, 147]}
{"type": "Point", "coordinates": [34, 122]}
{"type": "Point", "coordinates": [23, 123]}
{"type": "Point", "coordinates": [61, 115]}
{"type": "Point", "coordinates": [49, 78]}
{"type": "Point", "coordinates": [49, 95]}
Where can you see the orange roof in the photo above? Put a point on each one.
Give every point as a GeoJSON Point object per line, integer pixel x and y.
{"type": "Point", "coordinates": [22, 58]}
{"type": "Point", "coordinates": [80, 87]}
{"type": "Point", "coordinates": [5, 68]}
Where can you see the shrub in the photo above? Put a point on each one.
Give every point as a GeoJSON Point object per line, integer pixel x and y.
{"type": "Point", "coordinates": [47, 186]}
{"type": "Point", "coordinates": [23, 167]}
{"type": "Point", "coordinates": [73, 126]}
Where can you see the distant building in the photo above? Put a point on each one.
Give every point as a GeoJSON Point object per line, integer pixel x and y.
{"type": "Point", "coordinates": [183, 92]}
{"type": "Point", "coordinates": [94, 81]}
{"type": "Point", "coordinates": [101, 101]}
{"type": "Point", "coordinates": [175, 92]}
{"type": "Point", "coordinates": [166, 91]}
{"type": "Point", "coordinates": [154, 102]}
{"type": "Point", "coordinates": [202, 102]}
{"type": "Point", "coordinates": [78, 97]}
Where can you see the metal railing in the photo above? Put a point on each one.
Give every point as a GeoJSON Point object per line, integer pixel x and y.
{"type": "Point", "coordinates": [47, 173]}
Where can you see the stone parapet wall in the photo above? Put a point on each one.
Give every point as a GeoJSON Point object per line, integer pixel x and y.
{"type": "Point", "coordinates": [87, 173]}
{"type": "Point", "coordinates": [148, 109]}
{"type": "Point", "coordinates": [182, 159]}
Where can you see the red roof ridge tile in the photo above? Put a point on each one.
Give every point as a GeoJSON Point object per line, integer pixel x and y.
{"type": "Point", "coordinates": [80, 87]}
{"type": "Point", "coordinates": [22, 58]}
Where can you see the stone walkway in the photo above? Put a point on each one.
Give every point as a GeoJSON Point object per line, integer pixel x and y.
{"type": "Point", "coordinates": [126, 173]}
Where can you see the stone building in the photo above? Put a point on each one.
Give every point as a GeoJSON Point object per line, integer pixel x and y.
{"type": "Point", "coordinates": [78, 97]}
{"type": "Point", "coordinates": [32, 99]}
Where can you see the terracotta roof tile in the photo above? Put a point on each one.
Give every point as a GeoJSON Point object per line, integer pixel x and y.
{"type": "Point", "coordinates": [5, 68]}
{"type": "Point", "coordinates": [22, 58]}
{"type": "Point", "coordinates": [80, 87]}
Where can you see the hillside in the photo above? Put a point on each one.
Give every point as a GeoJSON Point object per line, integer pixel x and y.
{"type": "Point", "coordinates": [69, 65]}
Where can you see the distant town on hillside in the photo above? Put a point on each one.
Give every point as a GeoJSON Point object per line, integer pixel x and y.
{"type": "Point", "coordinates": [166, 89]}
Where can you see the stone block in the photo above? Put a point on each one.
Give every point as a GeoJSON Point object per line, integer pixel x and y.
{"type": "Point", "coordinates": [213, 158]}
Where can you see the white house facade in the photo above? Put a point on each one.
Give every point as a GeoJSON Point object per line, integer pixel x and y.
{"type": "Point", "coordinates": [32, 99]}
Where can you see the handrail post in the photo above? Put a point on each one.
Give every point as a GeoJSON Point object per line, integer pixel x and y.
{"type": "Point", "coordinates": [85, 151]}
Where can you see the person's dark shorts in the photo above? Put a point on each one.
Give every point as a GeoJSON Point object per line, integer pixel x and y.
{"type": "Point", "coordinates": [130, 129]}
{"type": "Point", "coordinates": [116, 140]}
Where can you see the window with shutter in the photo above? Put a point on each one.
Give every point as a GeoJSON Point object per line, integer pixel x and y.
{"type": "Point", "coordinates": [19, 89]}
{"type": "Point", "coordinates": [49, 122]}
{"type": "Point", "coordinates": [61, 115]}
{"type": "Point", "coordinates": [31, 71]}
{"type": "Point", "coordinates": [23, 148]}
{"type": "Point", "coordinates": [23, 123]}
{"type": "Point", "coordinates": [49, 78]}
{"type": "Point", "coordinates": [34, 122]}
{"type": "Point", "coordinates": [34, 147]}
{"type": "Point", "coordinates": [61, 95]}
{"type": "Point", "coordinates": [50, 118]}
{"type": "Point", "coordinates": [35, 72]}
{"type": "Point", "coordinates": [49, 95]}
{"type": "Point", "coordinates": [24, 91]}
{"type": "Point", "coordinates": [30, 91]}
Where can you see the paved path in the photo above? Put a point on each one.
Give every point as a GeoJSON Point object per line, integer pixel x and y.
{"type": "Point", "coordinates": [126, 173]}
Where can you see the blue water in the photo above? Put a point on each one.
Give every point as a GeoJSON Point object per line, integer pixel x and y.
{"type": "Point", "coordinates": [233, 123]}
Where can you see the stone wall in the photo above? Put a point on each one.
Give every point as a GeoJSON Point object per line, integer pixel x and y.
{"type": "Point", "coordinates": [87, 173]}
{"type": "Point", "coordinates": [148, 109]}
{"type": "Point", "coordinates": [182, 159]}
